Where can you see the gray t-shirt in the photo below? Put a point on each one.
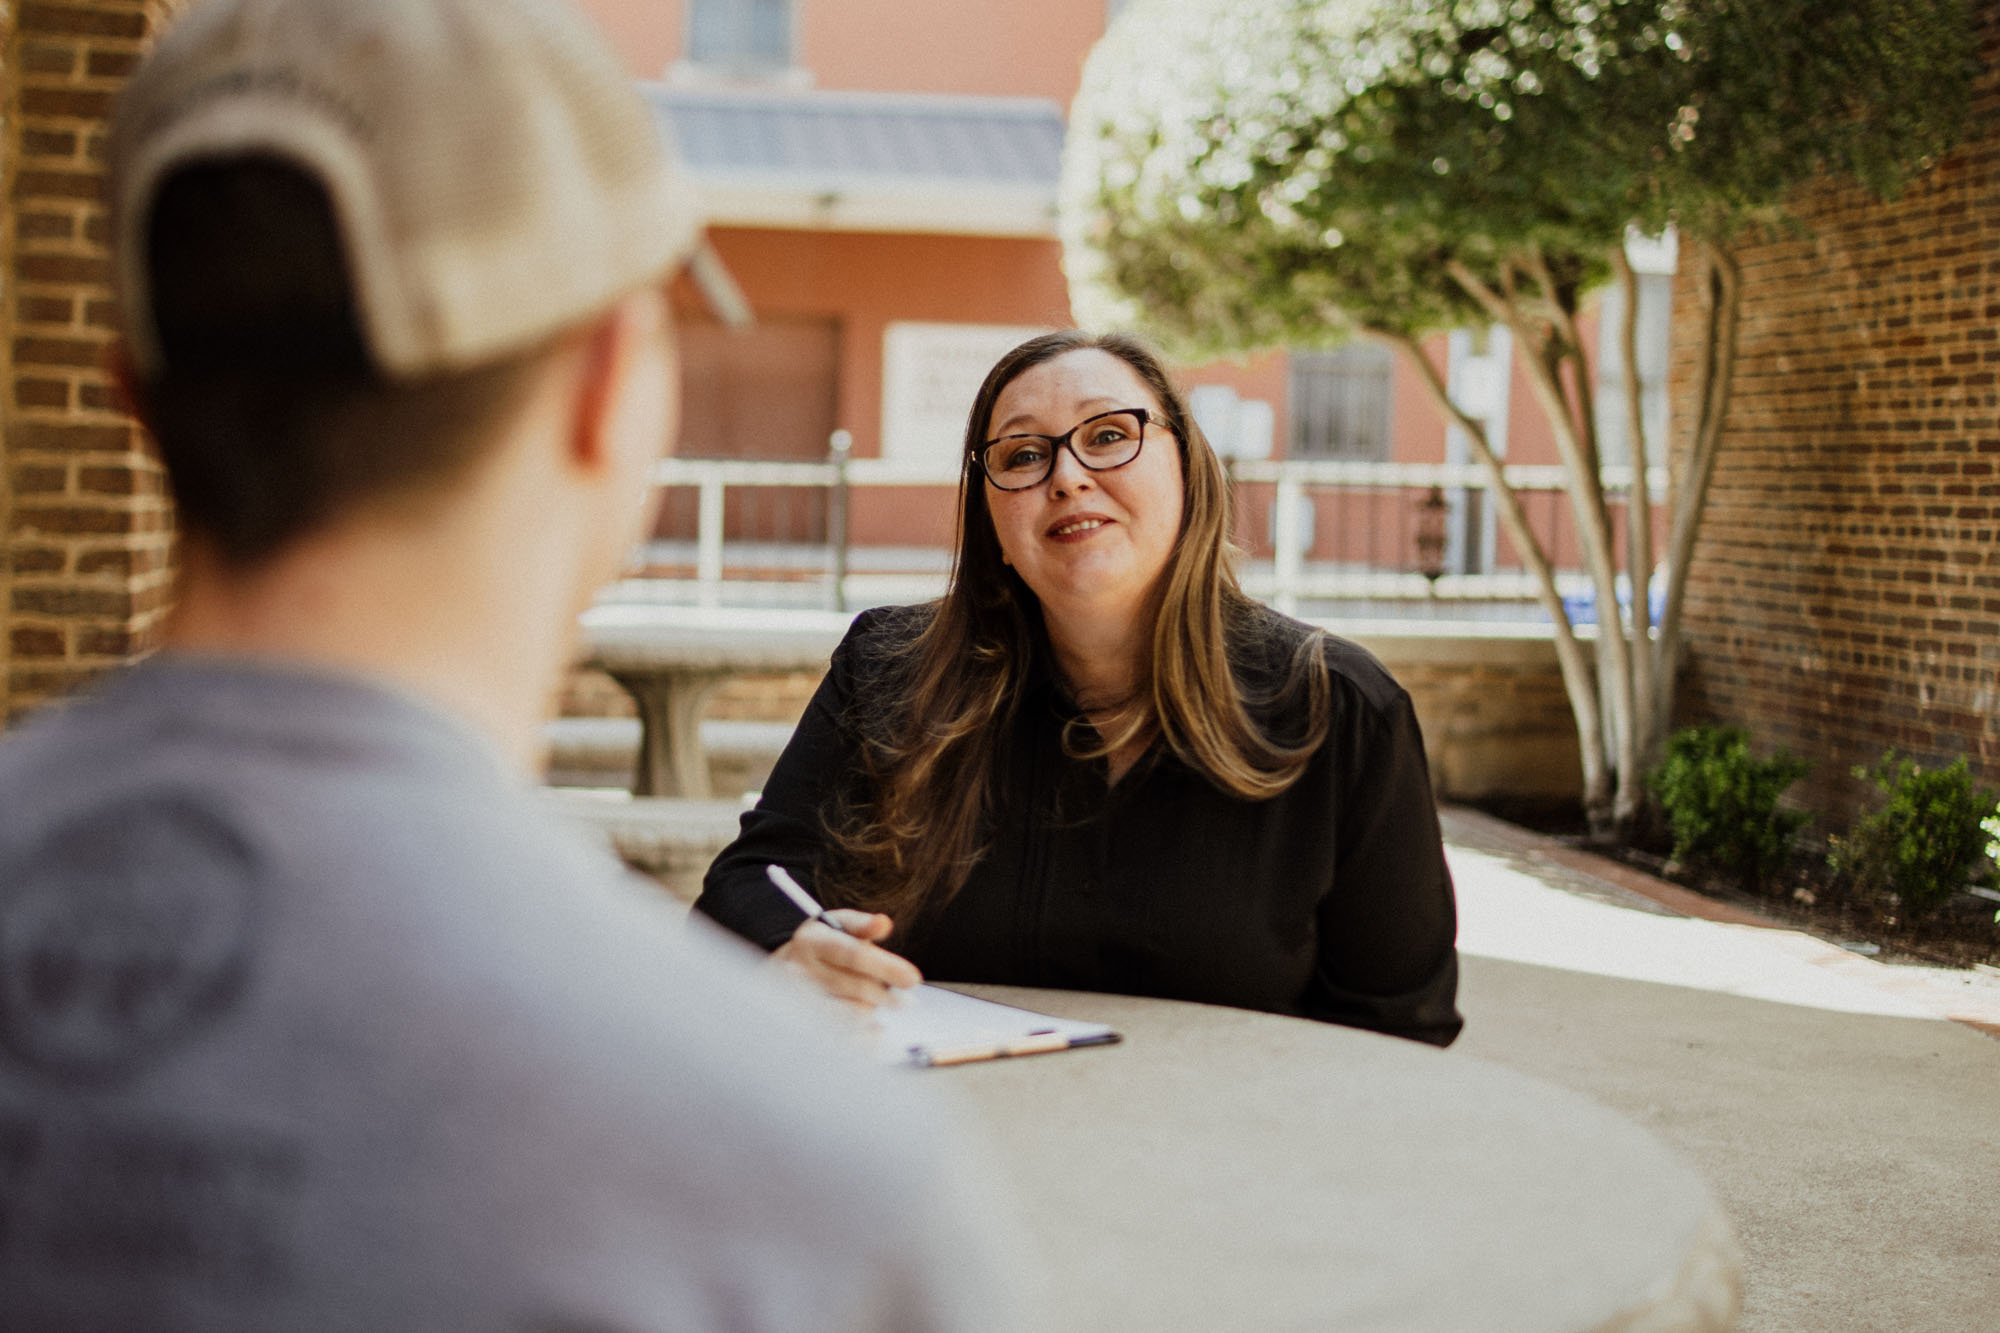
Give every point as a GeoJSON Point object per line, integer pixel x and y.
{"type": "Point", "coordinates": [310, 1018]}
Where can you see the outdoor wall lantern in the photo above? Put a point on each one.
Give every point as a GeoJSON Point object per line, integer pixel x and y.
{"type": "Point", "coordinates": [1431, 513]}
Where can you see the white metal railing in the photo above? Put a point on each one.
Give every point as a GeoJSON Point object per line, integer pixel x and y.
{"type": "Point", "coordinates": [1288, 578]}
{"type": "Point", "coordinates": [1290, 581]}
{"type": "Point", "coordinates": [709, 478]}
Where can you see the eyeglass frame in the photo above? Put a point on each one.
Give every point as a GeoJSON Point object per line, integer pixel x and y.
{"type": "Point", "coordinates": [1058, 443]}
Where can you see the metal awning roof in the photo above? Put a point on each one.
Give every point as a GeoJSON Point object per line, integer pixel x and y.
{"type": "Point", "coordinates": [869, 161]}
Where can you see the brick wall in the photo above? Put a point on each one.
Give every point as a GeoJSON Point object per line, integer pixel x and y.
{"type": "Point", "coordinates": [85, 558]}
{"type": "Point", "coordinates": [1845, 596]}
{"type": "Point", "coordinates": [1496, 720]}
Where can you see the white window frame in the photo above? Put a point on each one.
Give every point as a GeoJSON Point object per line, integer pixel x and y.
{"type": "Point", "coordinates": [742, 66]}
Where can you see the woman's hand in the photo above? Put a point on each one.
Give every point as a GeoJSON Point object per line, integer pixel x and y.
{"type": "Point", "coordinates": [849, 967]}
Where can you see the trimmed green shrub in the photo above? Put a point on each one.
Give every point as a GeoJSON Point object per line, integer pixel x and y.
{"type": "Point", "coordinates": [1926, 842]}
{"type": "Point", "coordinates": [1721, 802]}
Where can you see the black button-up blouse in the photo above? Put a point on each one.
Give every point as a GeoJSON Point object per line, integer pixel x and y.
{"type": "Point", "coordinates": [1330, 900]}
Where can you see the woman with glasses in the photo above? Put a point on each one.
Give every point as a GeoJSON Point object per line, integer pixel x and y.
{"type": "Point", "coordinates": [1095, 763]}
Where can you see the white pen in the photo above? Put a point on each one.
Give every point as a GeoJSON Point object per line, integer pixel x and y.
{"type": "Point", "coordinates": [800, 898]}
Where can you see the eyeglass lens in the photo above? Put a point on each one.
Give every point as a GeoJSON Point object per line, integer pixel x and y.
{"type": "Point", "coordinates": [1106, 441]}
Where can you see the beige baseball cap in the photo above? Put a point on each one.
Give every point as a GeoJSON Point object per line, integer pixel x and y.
{"type": "Point", "coordinates": [494, 172]}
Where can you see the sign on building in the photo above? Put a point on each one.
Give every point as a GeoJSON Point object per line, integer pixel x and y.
{"type": "Point", "coordinates": [930, 375]}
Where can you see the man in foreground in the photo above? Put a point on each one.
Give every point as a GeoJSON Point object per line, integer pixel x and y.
{"type": "Point", "coordinates": [308, 1017]}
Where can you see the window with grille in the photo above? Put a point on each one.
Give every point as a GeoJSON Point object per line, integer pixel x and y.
{"type": "Point", "coordinates": [740, 36]}
{"type": "Point", "coordinates": [1339, 404]}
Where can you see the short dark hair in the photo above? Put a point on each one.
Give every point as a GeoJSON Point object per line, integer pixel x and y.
{"type": "Point", "coordinates": [271, 418]}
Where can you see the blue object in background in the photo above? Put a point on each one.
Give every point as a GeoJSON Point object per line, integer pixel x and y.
{"type": "Point", "coordinates": [1581, 607]}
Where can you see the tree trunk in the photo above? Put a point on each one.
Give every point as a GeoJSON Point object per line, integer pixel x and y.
{"type": "Point", "coordinates": [1575, 429]}
{"type": "Point", "coordinates": [1638, 524]}
{"type": "Point", "coordinates": [1723, 285]}
{"type": "Point", "coordinates": [1624, 702]}
{"type": "Point", "coordinates": [1578, 678]}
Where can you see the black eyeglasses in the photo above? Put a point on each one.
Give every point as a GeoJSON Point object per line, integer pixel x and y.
{"type": "Point", "coordinates": [1100, 443]}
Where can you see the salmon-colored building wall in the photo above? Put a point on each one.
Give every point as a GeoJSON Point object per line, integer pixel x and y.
{"type": "Point", "coordinates": [864, 282]}
{"type": "Point", "coordinates": [647, 34]}
{"type": "Point", "coordinates": [1415, 424]}
{"type": "Point", "coordinates": [868, 280]}
{"type": "Point", "coordinates": [1022, 48]}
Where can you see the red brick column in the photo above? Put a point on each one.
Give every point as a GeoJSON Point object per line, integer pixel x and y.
{"type": "Point", "coordinates": [87, 537]}
{"type": "Point", "coordinates": [1845, 595]}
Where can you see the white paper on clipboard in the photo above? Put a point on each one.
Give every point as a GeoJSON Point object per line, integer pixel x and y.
{"type": "Point", "coordinates": [935, 1026]}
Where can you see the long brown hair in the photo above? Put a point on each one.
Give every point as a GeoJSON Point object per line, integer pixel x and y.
{"type": "Point", "coordinates": [936, 709]}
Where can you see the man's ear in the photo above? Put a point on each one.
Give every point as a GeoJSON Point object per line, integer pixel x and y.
{"type": "Point", "coordinates": [607, 353]}
{"type": "Point", "coordinates": [600, 355]}
{"type": "Point", "coordinates": [125, 386]}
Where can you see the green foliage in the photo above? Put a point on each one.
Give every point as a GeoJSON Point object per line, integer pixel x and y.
{"type": "Point", "coordinates": [1990, 826]}
{"type": "Point", "coordinates": [1245, 173]}
{"type": "Point", "coordinates": [1721, 802]}
{"type": "Point", "coordinates": [1242, 173]}
{"type": "Point", "coordinates": [1782, 92]}
{"type": "Point", "coordinates": [1927, 841]}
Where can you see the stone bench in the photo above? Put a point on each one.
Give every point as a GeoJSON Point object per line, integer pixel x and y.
{"type": "Point", "coordinates": [602, 752]}
{"type": "Point", "coordinates": [670, 659]}
{"type": "Point", "coordinates": [669, 838]}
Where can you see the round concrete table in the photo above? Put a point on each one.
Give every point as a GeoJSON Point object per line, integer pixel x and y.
{"type": "Point", "coordinates": [1225, 1170]}
{"type": "Point", "coordinates": [671, 658]}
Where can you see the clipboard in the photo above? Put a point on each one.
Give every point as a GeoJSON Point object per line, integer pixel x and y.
{"type": "Point", "coordinates": [933, 1027]}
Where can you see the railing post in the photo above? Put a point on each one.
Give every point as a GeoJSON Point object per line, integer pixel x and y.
{"type": "Point", "coordinates": [1288, 550]}
{"type": "Point", "coordinates": [839, 447]}
{"type": "Point", "coordinates": [708, 544]}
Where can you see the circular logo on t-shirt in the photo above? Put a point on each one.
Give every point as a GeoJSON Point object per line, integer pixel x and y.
{"type": "Point", "coordinates": [121, 932]}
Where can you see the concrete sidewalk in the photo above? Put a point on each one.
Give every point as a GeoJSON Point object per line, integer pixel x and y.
{"type": "Point", "coordinates": [1850, 1127]}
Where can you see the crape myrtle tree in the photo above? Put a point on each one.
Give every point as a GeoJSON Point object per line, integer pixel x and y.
{"type": "Point", "coordinates": [1242, 174]}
